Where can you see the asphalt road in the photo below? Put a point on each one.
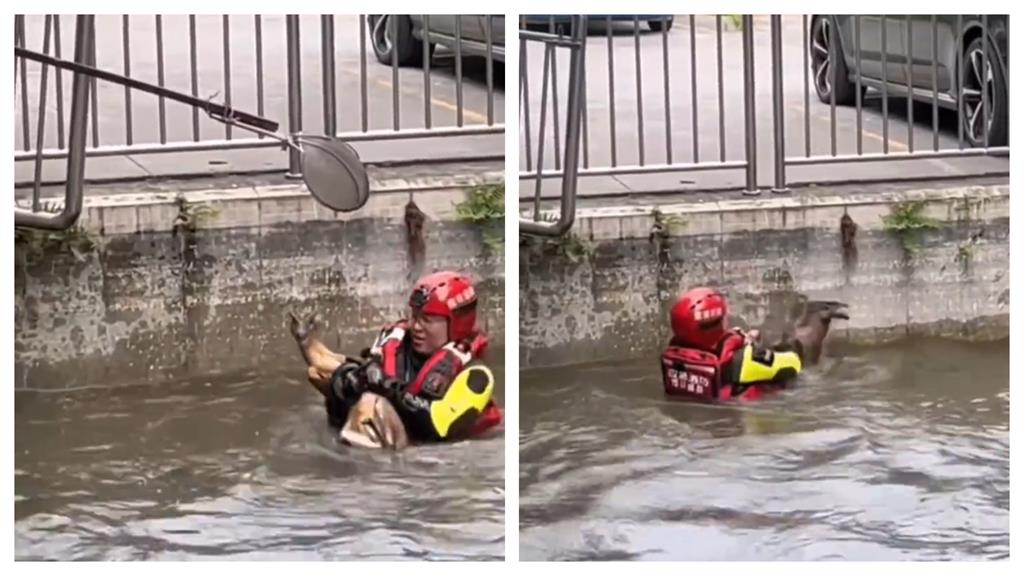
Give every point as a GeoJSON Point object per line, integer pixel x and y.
{"type": "Point", "coordinates": [600, 142]}
{"type": "Point", "coordinates": [114, 127]}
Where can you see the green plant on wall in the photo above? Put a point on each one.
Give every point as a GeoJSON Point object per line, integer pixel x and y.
{"type": "Point", "coordinates": [906, 221]}
{"type": "Point", "coordinates": [735, 20]}
{"type": "Point", "coordinates": [484, 207]}
{"type": "Point", "coordinates": [34, 244]}
{"type": "Point", "coordinates": [191, 216]}
{"type": "Point", "coordinates": [666, 225]}
{"type": "Point", "coordinates": [568, 246]}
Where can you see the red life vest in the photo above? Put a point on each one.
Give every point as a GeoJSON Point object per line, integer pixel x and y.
{"type": "Point", "coordinates": [701, 375]}
{"type": "Point", "coordinates": [438, 372]}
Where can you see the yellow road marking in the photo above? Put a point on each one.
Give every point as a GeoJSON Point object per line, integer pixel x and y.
{"type": "Point", "coordinates": [472, 116]}
{"type": "Point", "coordinates": [893, 144]}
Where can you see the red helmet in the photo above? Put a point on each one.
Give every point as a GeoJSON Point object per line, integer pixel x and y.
{"type": "Point", "coordinates": [447, 294]}
{"type": "Point", "coordinates": [699, 318]}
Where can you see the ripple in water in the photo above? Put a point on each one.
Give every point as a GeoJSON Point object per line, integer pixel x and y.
{"type": "Point", "coordinates": [183, 473]}
{"type": "Point", "coordinates": [892, 453]}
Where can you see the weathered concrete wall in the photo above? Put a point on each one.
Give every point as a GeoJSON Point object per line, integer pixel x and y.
{"type": "Point", "coordinates": [156, 300]}
{"type": "Point", "coordinates": [607, 292]}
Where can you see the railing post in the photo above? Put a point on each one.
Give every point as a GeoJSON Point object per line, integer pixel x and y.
{"type": "Point", "coordinates": [778, 110]}
{"type": "Point", "coordinates": [294, 93]}
{"type": "Point", "coordinates": [573, 121]}
{"type": "Point", "coordinates": [80, 86]}
{"type": "Point", "coordinates": [749, 105]}
{"type": "Point", "coordinates": [327, 59]}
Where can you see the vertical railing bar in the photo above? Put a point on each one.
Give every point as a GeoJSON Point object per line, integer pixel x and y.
{"type": "Point", "coordinates": [524, 87]}
{"type": "Point", "coordinates": [363, 99]}
{"type": "Point", "coordinates": [749, 105]}
{"type": "Point", "coordinates": [427, 119]}
{"type": "Point", "coordinates": [258, 25]}
{"type": "Point", "coordinates": [396, 104]}
{"type": "Point", "coordinates": [555, 124]}
{"type": "Point", "coordinates": [778, 105]}
{"type": "Point", "coordinates": [459, 111]}
{"type": "Point", "coordinates": [910, 83]}
{"type": "Point", "coordinates": [59, 76]}
{"type": "Point", "coordinates": [860, 91]}
{"type": "Point", "coordinates": [668, 100]}
{"type": "Point", "coordinates": [488, 31]}
{"type": "Point", "coordinates": [960, 47]}
{"type": "Point", "coordinates": [611, 89]}
{"type": "Point", "coordinates": [93, 102]}
{"type": "Point", "coordinates": [693, 89]}
{"type": "Point", "coordinates": [193, 60]}
{"type": "Point", "coordinates": [807, 90]}
{"type": "Point", "coordinates": [835, 52]}
{"type": "Point", "coordinates": [25, 118]}
{"type": "Point", "coordinates": [41, 129]}
{"type": "Point", "coordinates": [935, 83]}
{"type": "Point", "coordinates": [293, 43]}
{"type": "Point", "coordinates": [161, 102]}
{"type": "Point", "coordinates": [548, 48]}
{"type": "Point", "coordinates": [329, 73]}
{"type": "Point", "coordinates": [585, 22]}
{"type": "Point", "coordinates": [885, 86]}
{"type": "Point", "coordinates": [639, 90]}
{"type": "Point", "coordinates": [985, 71]}
{"type": "Point", "coordinates": [126, 51]}
{"type": "Point", "coordinates": [226, 37]}
{"type": "Point", "coordinates": [721, 88]}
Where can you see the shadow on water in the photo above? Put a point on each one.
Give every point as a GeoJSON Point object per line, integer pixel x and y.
{"type": "Point", "coordinates": [899, 452]}
{"type": "Point", "coordinates": [240, 467]}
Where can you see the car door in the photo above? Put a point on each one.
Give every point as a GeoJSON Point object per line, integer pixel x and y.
{"type": "Point", "coordinates": [870, 44]}
{"type": "Point", "coordinates": [497, 22]}
{"type": "Point", "coordinates": [895, 55]}
{"type": "Point", "coordinates": [472, 28]}
{"type": "Point", "coordinates": [945, 34]}
{"type": "Point", "coordinates": [442, 25]}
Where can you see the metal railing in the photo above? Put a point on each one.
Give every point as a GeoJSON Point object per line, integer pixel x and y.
{"type": "Point", "coordinates": [574, 43]}
{"type": "Point", "coordinates": [690, 82]}
{"type": "Point", "coordinates": [81, 85]}
{"type": "Point", "coordinates": [256, 63]}
{"type": "Point", "coordinates": [957, 62]}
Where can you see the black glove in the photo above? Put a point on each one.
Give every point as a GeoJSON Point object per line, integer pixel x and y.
{"type": "Point", "coordinates": [373, 380]}
{"type": "Point", "coordinates": [348, 381]}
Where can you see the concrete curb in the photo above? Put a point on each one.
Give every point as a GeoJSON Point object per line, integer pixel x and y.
{"type": "Point", "coordinates": [258, 206]}
{"type": "Point", "coordinates": [791, 212]}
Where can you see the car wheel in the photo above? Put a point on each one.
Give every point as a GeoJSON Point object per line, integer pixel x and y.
{"type": "Point", "coordinates": [980, 79]}
{"type": "Point", "coordinates": [383, 32]}
{"type": "Point", "coordinates": [825, 54]}
{"type": "Point", "coordinates": [659, 25]}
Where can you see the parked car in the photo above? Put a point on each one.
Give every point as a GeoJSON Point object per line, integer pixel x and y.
{"type": "Point", "coordinates": [441, 29]}
{"type": "Point", "coordinates": [979, 80]}
{"type": "Point", "coordinates": [656, 22]}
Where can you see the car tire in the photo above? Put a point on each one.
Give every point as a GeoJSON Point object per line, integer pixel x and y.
{"type": "Point", "coordinates": [410, 48]}
{"type": "Point", "coordinates": [998, 108]}
{"type": "Point", "coordinates": [658, 25]}
{"type": "Point", "coordinates": [824, 50]}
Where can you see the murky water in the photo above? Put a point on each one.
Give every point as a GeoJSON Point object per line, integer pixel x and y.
{"type": "Point", "coordinates": [240, 468]}
{"type": "Point", "coordinates": [899, 452]}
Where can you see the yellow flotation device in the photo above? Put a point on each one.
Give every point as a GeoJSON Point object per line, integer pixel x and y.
{"type": "Point", "coordinates": [455, 413]}
{"type": "Point", "coordinates": [767, 365]}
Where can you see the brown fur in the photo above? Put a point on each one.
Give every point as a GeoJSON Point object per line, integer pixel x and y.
{"type": "Point", "coordinates": [848, 237]}
{"type": "Point", "coordinates": [414, 220]}
{"type": "Point", "coordinates": [373, 421]}
{"type": "Point", "coordinates": [812, 326]}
